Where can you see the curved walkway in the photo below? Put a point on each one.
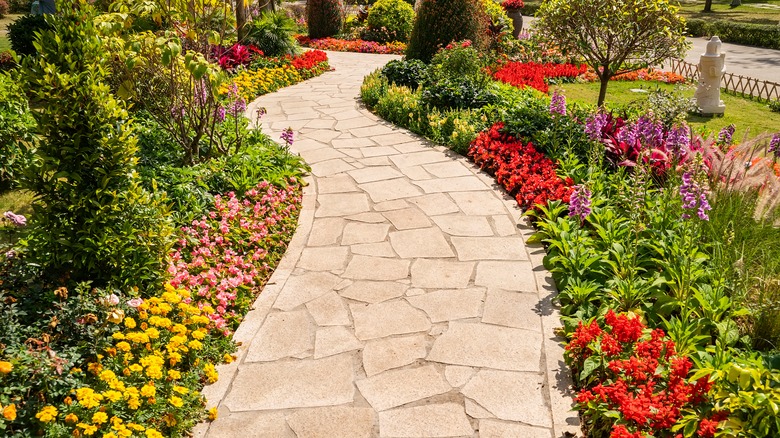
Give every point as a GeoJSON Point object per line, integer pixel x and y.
{"type": "Point", "coordinates": [407, 304]}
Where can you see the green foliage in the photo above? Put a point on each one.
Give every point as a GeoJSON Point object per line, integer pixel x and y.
{"type": "Point", "coordinates": [18, 6]}
{"type": "Point", "coordinates": [440, 22]}
{"type": "Point", "coordinates": [92, 221]}
{"type": "Point", "coordinates": [324, 17]}
{"type": "Point", "coordinates": [466, 92]}
{"type": "Point", "coordinates": [749, 34]}
{"type": "Point", "coordinates": [671, 107]}
{"type": "Point", "coordinates": [407, 72]}
{"type": "Point", "coordinates": [390, 20]}
{"type": "Point", "coordinates": [16, 124]}
{"type": "Point", "coordinates": [273, 34]}
{"type": "Point", "coordinates": [22, 33]}
{"type": "Point", "coordinates": [614, 36]}
{"type": "Point", "coordinates": [373, 88]}
{"type": "Point", "coordinates": [774, 105]}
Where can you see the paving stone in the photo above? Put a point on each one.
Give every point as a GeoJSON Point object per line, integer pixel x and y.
{"type": "Point", "coordinates": [251, 425]}
{"type": "Point", "coordinates": [304, 115]}
{"type": "Point", "coordinates": [504, 226]}
{"type": "Point", "coordinates": [420, 243]}
{"type": "Point", "coordinates": [300, 289]}
{"type": "Point", "coordinates": [330, 422]}
{"type": "Point", "coordinates": [375, 162]}
{"type": "Point", "coordinates": [407, 218]}
{"type": "Point", "coordinates": [399, 387]}
{"type": "Point", "coordinates": [301, 384]}
{"type": "Point", "coordinates": [376, 268]}
{"type": "Point", "coordinates": [381, 191]}
{"type": "Point", "coordinates": [342, 143]}
{"type": "Point", "coordinates": [376, 151]}
{"type": "Point", "coordinates": [372, 174]}
{"type": "Point", "coordinates": [380, 249]}
{"type": "Point", "coordinates": [304, 145]}
{"type": "Point", "coordinates": [391, 139]}
{"type": "Point", "coordinates": [489, 388]}
{"type": "Point", "coordinates": [373, 130]}
{"type": "Point", "coordinates": [326, 231]}
{"type": "Point", "coordinates": [397, 204]}
{"type": "Point", "coordinates": [512, 309]}
{"type": "Point", "coordinates": [435, 204]}
{"type": "Point", "coordinates": [334, 340]}
{"type": "Point", "coordinates": [516, 276]}
{"type": "Point", "coordinates": [499, 429]}
{"type": "Point", "coordinates": [284, 334]}
{"type": "Point", "coordinates": [371, 218]}
{"type": "Point", "coordinates": [323, 154]}
{"type": "Point", "coordinates": [359, 232]}
{"type": "Point", "coordinates": [322, 135]}
{"type": "Point", "coordinates": [488, 346]}
{"type": "Point", "coordinates": [450, 304]}
{"type": "Point", "coordinates": [414, 292]}
{"type": "Point", "coordinates": [411, 147]}
{"type": "Point", "coordinates": [474, 410]}
{"type": "Point", "coordinates": [462, 225]}
{"type": "Point", "coordinates": [353, 153]}
{"type": "Point", "coordinates": [446, 185]}
{"type": "Point", "coordinates": [386, 319]}
{"type": "Point", "coordinates": [489, 248]}
{"type": "Point", "coordinates": [441, 274]}
{"type": "Point", "coordinates": [448, 169]}
{"type": "Point", "coordinates": [328, 309]}
{"type": "Point", "coordinates": [319, 123]}
{"type": "Point", "coordinates": [480, 203]}
{"type": "Point", "coordinates": [458, 375]}
{"type": "Point", "coordinates": [336, 184]}
{"type": "Point", "coordinates": [385, 354]}
{"type": "Point", "coordinates": [374, 291]}
{"type": "Point", "coordinates": [418, 158]}
{"type": "Point", "coordinates": [327, 258]}
{"type": "Point", "coordinates": [330, 167]}
{"type": "Point", "coordinates": [416, 173]}
{"type": "Point", "coordinates": [347, 114]}
{"type": "Point", "coordinates": [429, 421]}
{"type": "Point", "coordinates": [342, 204]}
{"type": "Point", "coordinates": [360, 122]}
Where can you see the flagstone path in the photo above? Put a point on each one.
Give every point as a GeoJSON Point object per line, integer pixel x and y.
{"type": "Point", "coordinates": [407, 304]}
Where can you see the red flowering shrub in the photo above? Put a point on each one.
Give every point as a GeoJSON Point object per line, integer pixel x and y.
{"type": "Point", "coordinates": [512, 4]}
{"type": "Point", "coordinates": [360, 46]}
{"type": "Point", "coordinates": [531, 74]}
{"type": "Point", "coordinates": [633, 382]}
{"type": "Point", "coordinates": [525, 173]}
{"type": "Point", "coordinates": [236, 55]}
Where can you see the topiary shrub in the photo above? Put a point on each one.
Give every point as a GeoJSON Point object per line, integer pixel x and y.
{"type": "Point", "coordinates": [440, 22]}
{"type": "Point", "coordinates": [389, 20]}
{"type": "Point", "coordinates": [409, 73]}
{"type": "Point", "coordinates": [273, 34]}
{"type": "Point", "coordinates": [21, 33]}
{"type": "Point", "coordinates": [324, 17]}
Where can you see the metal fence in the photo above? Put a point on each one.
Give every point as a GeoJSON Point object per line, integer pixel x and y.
{"type": "Point", "coordinates": [755, 88]}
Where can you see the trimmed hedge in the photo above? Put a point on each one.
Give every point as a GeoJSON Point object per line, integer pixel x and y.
{"type": "Point", "coordinates": [758, 35]}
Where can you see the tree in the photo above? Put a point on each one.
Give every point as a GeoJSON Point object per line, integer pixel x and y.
{"type": "Point", "coordinates": [614, 36]}
{"type": "Point", "coordinates": [707, 6]}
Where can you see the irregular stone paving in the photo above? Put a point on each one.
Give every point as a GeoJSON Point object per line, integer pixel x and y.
{"type": "Point", "coordinates": [407, 304]}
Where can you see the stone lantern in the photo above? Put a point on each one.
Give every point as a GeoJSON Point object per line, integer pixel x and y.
{"type": "Point", "coordinates": [712, 66]}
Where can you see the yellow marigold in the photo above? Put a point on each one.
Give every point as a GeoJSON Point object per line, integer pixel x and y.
{"type": "Point", "coordinates": [198, 334]}
{"type": "Point", "coordinates": [179, 329]}
{"type": "Point", "coordinates": [89, 429]}
{"type": "Point", "coordinates": [154, 372]}
{"type": "Point", "coordinates": [137, 337]}
{"type": "Point", "coordinates": [99, 417]}
{"type": "Point", "coordinates": [112, 395]}
{"type": "Point", "coordinates": [152, 333]}
{"type": "Point", "coordinates": [95, 367]}
{"type": "Point", "coordinates": [171, 297]}
{"type": "Point", "coordinates": [6, 367]}
{"type": "Point", "coordinates": [181, 389]}
{"type": "Point", "coordinates": [88, 398]}
{"type": "Point", "coordinates": [109, 435]}
{"type": "Point", "coordinates": [123, 346]}
{"type": "Point", "coordinates": [130, 323]}
{"type": "Point", "coordinates": [148, 390]}
{"type": "Point", "coordinates": [176, 401]}
{"type": "Point", "coordinates": [135, 427]}
{"type": "Point", "coordinates": [174, 375]}
{"type": "Point", "coordinates": [151, 433]}
{"type": "Point", "coordinates": [136, 368]}
{"type": "Point", "coordinates": [195, 344]}
{"type": "Point", "coordinates": [174, 358]}
{"type": "Point", "coordinates": [212, 414]}
{"type": "Point", "coordinates": [228, 358]}
{"type": "Point", "coordinates": [170, 420]}
{"type": "Point", "coordinates": [9, 413]}
{"type": "Point", "coordinates": [107, 375]}
{"type": "Point", "coordinates": [134, 403]}
{"type": "Point", "coordinates": [211, 373]}
{"type": "Point", "coordinates": [47, 414]}
{"type": "Point", "coordinates": [117, 385]}
{"type": "Point", "coordinates": [71, 418]}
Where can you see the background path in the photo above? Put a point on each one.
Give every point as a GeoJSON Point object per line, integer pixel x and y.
{"type": "Point", "coordinates": [407, 304]}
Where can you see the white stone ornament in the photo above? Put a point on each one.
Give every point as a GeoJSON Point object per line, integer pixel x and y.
{"type": "Point", "coordinates": [712, 66]}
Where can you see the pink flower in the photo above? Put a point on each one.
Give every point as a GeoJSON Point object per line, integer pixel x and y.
{"type": "Point", "coordinates": [135, 302]}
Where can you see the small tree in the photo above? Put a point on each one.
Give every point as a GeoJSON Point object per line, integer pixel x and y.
{"type": "Point", "coordinates": [614, 36]}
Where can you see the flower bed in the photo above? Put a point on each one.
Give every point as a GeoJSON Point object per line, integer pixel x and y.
{"type": "Point", "coordinates": [640, 75]}
{"type": "Point", "coordinates": [531, 74]}
{"type": "Point", "coordinates": [360, 46]}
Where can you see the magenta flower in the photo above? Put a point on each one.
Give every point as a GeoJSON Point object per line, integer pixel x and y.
{"type": "Point", "coordinates": [558, 104]}
{"type": "Point", "coordinates": [693, 197]}
{"type": "Point", "coordinates": [774, 145]}
{"type": "Point", "coordinates": [17, 219]}
{"type": "Point", "coordinates": [579, 205]}
{"type": "Point", "coordinates": [287, 136]}
{"type": "Point", "coordinates": [725, 135]}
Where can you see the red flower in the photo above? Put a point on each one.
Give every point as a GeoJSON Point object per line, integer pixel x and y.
{"type": "Point", "coordinates": [531, 74]}
{"type": "Point", "coordinates": [620, 431]}
{"type": "Point", "coordinates": [624, 328]}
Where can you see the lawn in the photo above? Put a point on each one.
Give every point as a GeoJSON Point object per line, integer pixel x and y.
{"type": "Point", "coordinates": [748, 116]}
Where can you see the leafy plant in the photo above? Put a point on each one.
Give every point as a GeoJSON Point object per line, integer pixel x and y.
{"type": "Point", "coordinates": [373, 88]}
{"type": "Point", "coordinates": [439, 22]}
{"type": "Point", "coordinates": [390, 20]}
{"type": "Point", "coordinates": [324, 17]}
{"type": "Point", "coordinates": [409, 73]}
{"type": "Point", "coordinates": [16, 125]}
{"type": "Point", "coordinates": [22, 33]}
{"type": "Point", "coordinates": [273, 34]}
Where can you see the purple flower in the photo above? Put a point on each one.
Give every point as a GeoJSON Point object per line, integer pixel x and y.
{"type": "Point", "coordinates": [693, 197]}
{"type": "Point", "coordinates": [595, 125]}
{"type": "Point", "coordinates": [17, 219]}
{"type": "Point", "coordinates": [261, 112]}
{"type": "Point", "coordinates": [219, 113]}
{"type": "Point", "coordinates": [774, 145]}
{"type": "Point", "coordinates": [287, 136]}
{"type": "Point", "coordinates": [579, 205]}
{"type": "Point", "coordinates": [725, 134]}
{"type": "Point", "coordinates": [558, 104]}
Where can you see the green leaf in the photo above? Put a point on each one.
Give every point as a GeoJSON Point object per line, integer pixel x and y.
{"type": "Point", "coordinates": [590, 365]}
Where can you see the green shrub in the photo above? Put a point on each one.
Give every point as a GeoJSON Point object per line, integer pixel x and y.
{"type": "Point", "coordinates": [404, 107]}
{"type": "Point", "coordinates": [16, 124]}
{"type": "Point", "coordinates": [458, 60]}
{"type": "Point", "coordinates": [273, 34]}
{"type": "Point", "coordinates": [390, 20]}
{"type": "Point", "coordinates": [758, 35]}
{"type": "Point", "coordinates": [92, 221]}
{"type": "Point", "coordinates": [465, 92]}
{"type": "Point", "coordinates": [324, 17]}
{"type": "Point", "coordinates": [409, 73]}
{"type": "Point", "coordinates": [774, 105]}
{"type": "Point", "coordinates": [440, 22]}
{"type": "Point", "coordinates": [373, 88]}
{"type": "Point", "coordinates": [22, 31]}
{"type": "Point", "coordinates": [18, 6]}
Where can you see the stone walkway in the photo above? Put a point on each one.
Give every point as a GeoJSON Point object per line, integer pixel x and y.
{"type": "Point", "coordinates": [407, 304]}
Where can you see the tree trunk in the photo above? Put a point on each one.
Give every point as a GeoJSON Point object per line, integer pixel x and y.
{"type": "Point", "coordinates": [241, 19]}
{"type": "Point", "coordinates": [708, 6]}
{"type": "Point", "coordinates": [604, 78]}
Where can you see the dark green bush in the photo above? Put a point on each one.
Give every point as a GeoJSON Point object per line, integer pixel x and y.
{"type": "Point", "coordinates": [273, 34]}
{"type": "Point", "coordinates": [390, 20]}
{"type": "Point", "coordinates": [18, 6]}
{"type": "Point", "coordinates": [758, 35]}
{"type": "Point", "coordinates": [440, 22]}
{"type": "Point", "coordinates": [409, 73]}
{"type": "Point", "coordinates": [324, 17]}
{"type": "Point", "coordinates": [16, 124]}
{"type": "Point", "coordinates": [464, 92]}
{"type": "Point", "coordinates": [774, 105]}
{"type": "Point", "coordinates": [21, 33]}
{"type": "Point", "coordinates": [93, 221]}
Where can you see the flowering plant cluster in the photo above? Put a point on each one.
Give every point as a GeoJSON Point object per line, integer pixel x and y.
{"type": "Point", "coordinates": [644, 74]}
{"type": "Point", "coordinates": [221, 258]}
{"type": "Point", "coordinates": [633, 382]}
{"type": "Point", "coordinates": [360, 46]}
{"type": "Point", "coordinates": [531, 74]}
{"type": "Point", "coordinates": [275, 73]}
{"type": "Point", "coordinates": [510, 5]}
{"type": "Point", "coordinates": [525, 173]}
{"type": "Point", "coordinates": [236, 55]}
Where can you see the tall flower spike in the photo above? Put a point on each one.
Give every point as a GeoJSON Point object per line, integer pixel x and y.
{"type": "Point", "coordinates": [558, 104]}
{"type": "Point", "coordinates": [725, 135]}
{"type": "Point", "coordinates": [774, 145]}
{"type": "Point", "coordinates": [579, 205]}
{"type": "Point", "coordinates": [287, 136]}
